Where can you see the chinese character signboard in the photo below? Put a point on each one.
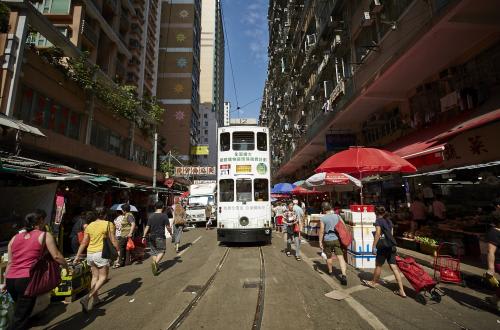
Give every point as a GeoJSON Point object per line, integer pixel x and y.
{"type": "Point", "coordinates": [194, 170]}
{"type": "Point", "coordinates": [199, 150]}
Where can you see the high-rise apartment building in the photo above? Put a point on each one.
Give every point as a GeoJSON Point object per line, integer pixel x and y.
{"type": "Point", "coordinates": [391, 74]}
{"type": "Point", "coordinates": [121, 38]}
{"type": "Point", "coordinates": [179, 74]}
{"type": "Point", "coordinates": [211, 79]}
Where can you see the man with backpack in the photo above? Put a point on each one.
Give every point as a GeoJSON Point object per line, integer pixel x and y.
{"type": "Point", "coordinates": [329, 241]}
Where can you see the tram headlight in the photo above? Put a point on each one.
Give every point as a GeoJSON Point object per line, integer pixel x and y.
{"type": "Point", "coordinates": [244, 221]}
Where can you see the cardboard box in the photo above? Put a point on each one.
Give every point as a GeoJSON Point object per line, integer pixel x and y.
{"type": "Point", "coordinates": [361, 261]}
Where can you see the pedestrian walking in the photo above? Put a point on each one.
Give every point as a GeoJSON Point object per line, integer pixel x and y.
{"type": "Point", "coordinates": [77, 231]}
{"type": "Point", "coordinates": [493, 239]}
{"type": "Point", "coordinates": [179, 223]}
{"type": "Point", "coordinates": [438, 209]}
{"type": "Point", "coordinates": [385, 246]}
{"type": "Point", "coordinates": [158, 222]}
{"type": "Point", "coordinates": [125, 226]}
{"type": "Point", "coordinates": [24, 250]}
{"type": "Point", "coordinates": [279, 211]}
{"type": "Point", "coordinates": [418, 215]}
{"type": "Point", "coordinates": [292, 232]}
{"type": "Point", "coordinates": [208, 216]}
{"type": "Point", "coordinates": [329, 242]}
{"type": "Point", "coordinates": [93, 240]}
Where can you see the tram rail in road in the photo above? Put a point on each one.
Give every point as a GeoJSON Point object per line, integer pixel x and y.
{"type": "Point", "coordinates": [259, 310]}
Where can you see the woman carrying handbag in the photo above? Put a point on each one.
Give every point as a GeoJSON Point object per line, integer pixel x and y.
{"type": "Point", "coordinates": [26, 250]}
{"type": "Point", "coordinates": [102, 247]}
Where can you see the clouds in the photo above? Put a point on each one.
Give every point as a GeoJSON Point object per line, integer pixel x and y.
{"type": "Point", "coordinates": [254, 21]}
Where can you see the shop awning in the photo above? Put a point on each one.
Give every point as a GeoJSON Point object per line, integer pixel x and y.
{"type": "Point", "coordinates": [425, 147]}
{"type": "Point", "coordinates": [487, 118]}
{"type": "Point", "coordinates": [19, 125]}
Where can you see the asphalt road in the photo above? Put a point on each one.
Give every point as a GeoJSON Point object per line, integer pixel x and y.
{"type": "Point", "coordinates": [225, 281]}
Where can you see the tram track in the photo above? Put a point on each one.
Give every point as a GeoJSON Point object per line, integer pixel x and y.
{"type": "Point", "coordinates": [261, 285]}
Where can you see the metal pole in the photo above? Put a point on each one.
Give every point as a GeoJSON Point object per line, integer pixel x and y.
{"type": "Point", "coordinates": [155, 157]}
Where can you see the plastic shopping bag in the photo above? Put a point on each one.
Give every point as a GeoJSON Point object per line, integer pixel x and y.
{"type": "Point", "coordinates": [6, 310]}
{"type": "Point", "coordinates": [130, 244]}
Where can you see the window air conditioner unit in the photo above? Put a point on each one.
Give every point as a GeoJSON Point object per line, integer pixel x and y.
{"type": "Point", "coordinates": [367, 20]}
{"type": "Point", "coordinates": [310, 40]}
{"type": "Point", "coordinates": [377, 6]}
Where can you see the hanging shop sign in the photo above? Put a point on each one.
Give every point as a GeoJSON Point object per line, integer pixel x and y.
{"type": "Point", "coordinates": [194, 170]}
{"type": "Point", "coordinates": [199, 150]}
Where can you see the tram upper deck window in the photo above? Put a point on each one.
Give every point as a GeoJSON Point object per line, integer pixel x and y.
{"type": "Point", "coordinates": [244, 190]}
{"type": "Point", "coordinates": [226, 187]}
{"type": "Point", "coordinates": [261, 141]}
{"type": "Point", "coordinates": [243, 141]}
{"type": "Point", "coordinates": [225, 142]}
{"type": "Point", "coordinates": [261, 190]}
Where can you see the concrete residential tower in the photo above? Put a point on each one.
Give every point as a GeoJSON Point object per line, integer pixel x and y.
{"type": "Point", "coordinates": [211, 79]}
{"type": "Point", "coordinates": [179, 74]}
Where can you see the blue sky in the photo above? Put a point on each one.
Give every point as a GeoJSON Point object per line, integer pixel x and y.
{"type": "Point", "coordinates": [246, 29]}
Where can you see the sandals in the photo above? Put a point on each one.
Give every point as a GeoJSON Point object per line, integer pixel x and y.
{"type": "Point", "coordinates": [396, 292]}
{"type": "Point", "coordinates": [368, 284]}
{"type": "Point", "coordinates": [298, 258]}
{"type": "Point", "coordinates": [288, 254]}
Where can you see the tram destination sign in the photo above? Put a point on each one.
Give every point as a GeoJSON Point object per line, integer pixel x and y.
{"type": "Point", "coordinates": [194, 170]}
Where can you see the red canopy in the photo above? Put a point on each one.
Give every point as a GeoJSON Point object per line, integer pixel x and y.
{"type": "Point", "coordinates": [362, 161]}
{"type": "Point", "coordinates": [303, 191]}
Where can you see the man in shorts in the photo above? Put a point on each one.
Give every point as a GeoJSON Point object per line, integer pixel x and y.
{"type": "Point", "coordinates": [329, 242]}
{"type": "Point", "coordinates": [157, 223]}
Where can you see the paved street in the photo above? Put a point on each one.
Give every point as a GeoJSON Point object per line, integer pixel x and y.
{"type": "Point", "coordinates": [294, 295]}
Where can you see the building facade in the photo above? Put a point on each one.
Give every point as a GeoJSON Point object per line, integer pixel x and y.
{"type": "Point", "coordinates": [211, 79]}
{"type": "Point", "coordinates": [121, 39]}
{"type": "Point", "coordinates": [388, 74]}
{"type": "Point", "coordinates": [178, 81]}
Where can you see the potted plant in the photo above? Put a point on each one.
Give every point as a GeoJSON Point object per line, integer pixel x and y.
{"type": "Point", "coordinates": [427, 245]}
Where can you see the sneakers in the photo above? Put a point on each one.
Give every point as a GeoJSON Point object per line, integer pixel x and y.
{"type": "Point", "coordinates": [343, 280]}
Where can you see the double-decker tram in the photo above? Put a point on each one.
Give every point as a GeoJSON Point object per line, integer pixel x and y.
{"type": "Point", "coordinates": [243, 184]}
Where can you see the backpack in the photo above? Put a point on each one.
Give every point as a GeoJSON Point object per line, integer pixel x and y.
{"type": "Point", "coordinates": [344, 235]}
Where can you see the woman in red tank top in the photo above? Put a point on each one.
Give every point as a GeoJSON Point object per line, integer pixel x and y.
{"type": "Point", "coordinates": [24, 250]}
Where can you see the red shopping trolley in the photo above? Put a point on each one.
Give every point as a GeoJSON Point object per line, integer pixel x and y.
{"type": "Point", "coordinates": [447, 266]}
{"type": "Point", "coordinates": [422, 282]}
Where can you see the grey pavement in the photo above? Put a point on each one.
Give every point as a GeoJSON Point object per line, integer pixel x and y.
{"type": "Point", "coordinates": [294, 295]}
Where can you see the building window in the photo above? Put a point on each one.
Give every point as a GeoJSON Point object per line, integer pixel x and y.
{"type": "Point", "coordinates": [206, 123]}
{"type": "Point", "coordinates": [42, 111]}
{"type": "Point", "coordinates": [205, 139]}
{"type": "Point", "coordinates": [206, 131]}
{"type": "Point", "coordinates": [205, 115]}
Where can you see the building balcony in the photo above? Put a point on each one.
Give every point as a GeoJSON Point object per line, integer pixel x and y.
{"type": "Point", "coordinates": [89, 33]}
{"type": "Point", "coordinates": [111, 4]}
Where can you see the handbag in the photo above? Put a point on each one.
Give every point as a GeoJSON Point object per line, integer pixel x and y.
{"type": "Point", "coordinates": [296, 228]}
{"type": "Point", "coordinates": [388, 242]}
{"type": "Point", "coordinates": [108, 250]}
{"type": "Point", "coordinates": [80, 236]}
{"type": "Point", "coordinates": [6, 310]}
{"type": "Point", "coordinates": [130, 244]}
{"type": "Point", "coordinates": [343, 234]}
{"type": "Point", "coordinates": [45, 274]}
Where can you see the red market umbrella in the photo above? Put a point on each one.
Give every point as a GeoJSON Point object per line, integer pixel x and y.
{"type": "Point", "coordinates": [361, 161]}
{"type": "Point", "coordinates": [303, 191]}
{"type": "Point", "coordinates": [332, 179]}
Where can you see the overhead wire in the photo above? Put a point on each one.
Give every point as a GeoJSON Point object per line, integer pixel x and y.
{"type": "Point", "coordinates": [253, 101]}
{"type": "Point", "coordinates": [238, 108]}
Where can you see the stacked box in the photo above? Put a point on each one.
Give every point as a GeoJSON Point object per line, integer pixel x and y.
{"type": "Point", "coordinates": [362, 261]}
{"type": "Point", "coordinates": [360, 221]}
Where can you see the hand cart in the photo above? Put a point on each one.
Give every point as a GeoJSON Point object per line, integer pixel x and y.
{"type": "Point", "coordinates": [447, 266]}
